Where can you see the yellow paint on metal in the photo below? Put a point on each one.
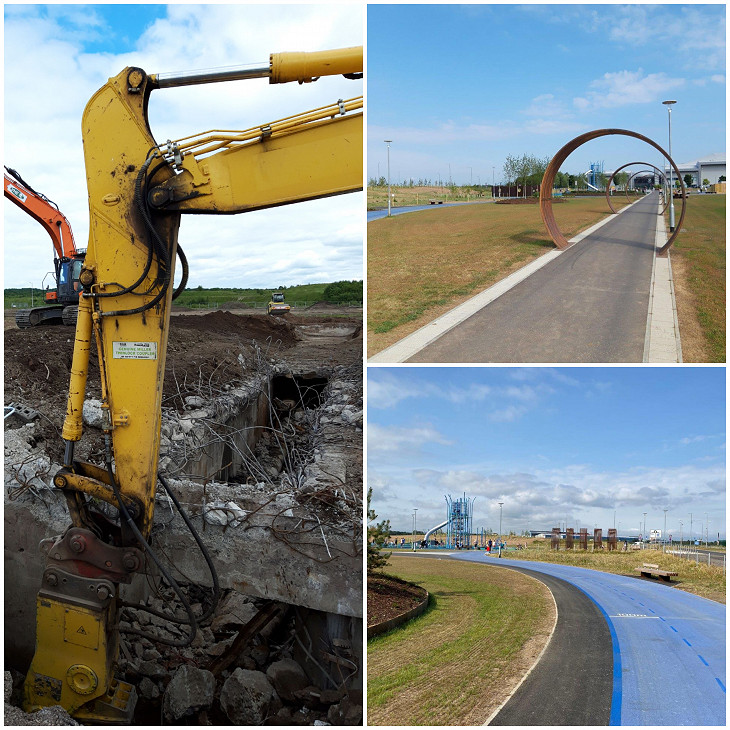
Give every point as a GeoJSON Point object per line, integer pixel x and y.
{"type": "Point", "coordinates": [305, 67]}
{"type": "Point", "coordinates": [75, 664]}
{"type": "Point", "coordinates": [313, 161]}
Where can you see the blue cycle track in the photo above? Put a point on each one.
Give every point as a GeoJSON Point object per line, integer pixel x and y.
{"type": "Point", "coordinates": [668, 645]}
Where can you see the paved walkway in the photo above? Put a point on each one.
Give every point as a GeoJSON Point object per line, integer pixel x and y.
{"type": "Point", "coordinates": [605, 299]}
{"type": "Point", "coordinates": [668, 663]}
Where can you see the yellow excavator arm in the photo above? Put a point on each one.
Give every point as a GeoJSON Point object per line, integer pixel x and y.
{"type": "Point", "coordinates": [138, 190]}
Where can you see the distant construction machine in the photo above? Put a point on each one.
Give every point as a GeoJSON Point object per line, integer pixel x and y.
{"type": "Point", "coordinates": [62, 301]}
{"type": "Point", "coordinates": [277, 305]}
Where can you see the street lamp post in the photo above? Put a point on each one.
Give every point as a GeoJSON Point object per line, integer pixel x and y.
{"type": "Point", "coordinates": [706, 530]}
{"type": "Point", "coordinates": [500, 529]}
{"type": "Point", "coordinates": [643, 536]}
{"type": "Point", "coordinates": [413, 539]}
{"type": "Point", "coordinates": [664, 534]}
{"type": "Point", "coordinates": [668, 104]}
{"type": "Point", "coordinates": [387, 142]}
{"type": "Point", "coordinates": [690, 528]}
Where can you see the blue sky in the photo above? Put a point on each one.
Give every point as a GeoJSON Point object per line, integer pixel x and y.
{"type": "Point", "coordinates": [57, 56]}
{"type": "Point", "coordinates": [550, 443]}
{"type": "Point", "coordinates": [465, 85]}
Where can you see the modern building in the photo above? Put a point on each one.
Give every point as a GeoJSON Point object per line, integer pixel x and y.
{"type": "Point", "coordinates": [710, 167]}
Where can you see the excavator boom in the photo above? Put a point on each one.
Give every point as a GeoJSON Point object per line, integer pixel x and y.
{"type": "Point", "coordinates": [45, 211]}
{"type": "Point", "coordinates": [138, 191]}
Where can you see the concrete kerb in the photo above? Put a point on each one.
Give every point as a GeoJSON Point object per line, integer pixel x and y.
{"type": "Point", "coordinates": [391, 623]}
{"type": "Point", "coordinates": [662, 341]}
{"type": "Point", "coordinates": [421, 338]}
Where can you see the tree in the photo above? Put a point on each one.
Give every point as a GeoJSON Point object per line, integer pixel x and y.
{"type": "Point", "coordinates": [688, 180]}
{"type": "Point", "coordinates": [621, 179]}
{"type": "Point", "coordinates": [510, 169]}
{"type": "Point", "coordinates": [719, 179]}
{"type": "Point", "coordinates": [705, 181]}
{"type": "Point", "coordinates": [343, 291]}
{"type": "Point", "coordinates": [377, 537]}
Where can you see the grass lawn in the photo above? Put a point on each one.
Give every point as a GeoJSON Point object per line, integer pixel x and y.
{"type": "Point", "coordinates": [422, 264]}
{"type": "Point", "coordinates": [702, 580]}
{"type": "Point", "coordinates": [455, 664]}
{"type": "Point", "coordinates": [698, 266]}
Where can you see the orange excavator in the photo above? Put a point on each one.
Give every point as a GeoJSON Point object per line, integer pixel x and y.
{"type": "Point", "coordinates": [62, 301]}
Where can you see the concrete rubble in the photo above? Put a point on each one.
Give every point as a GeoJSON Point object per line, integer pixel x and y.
{"type": "Point", "coordinates": [285, 535]}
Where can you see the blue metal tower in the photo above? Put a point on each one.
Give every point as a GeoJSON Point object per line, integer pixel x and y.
{"type": "Point", "coordinates": [459, 513]}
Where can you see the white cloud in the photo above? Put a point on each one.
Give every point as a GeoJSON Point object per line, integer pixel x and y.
{"type": "Point", "coordinates": [386, 391]}
{"type": "Point", "coordinates": [620, 88]}
{"type": "Point", "coordinates": [308, 242]}
{"type": "Point", "coordinates": [544, 498]}
{"type": "Point", "coordinates": [403, 439]}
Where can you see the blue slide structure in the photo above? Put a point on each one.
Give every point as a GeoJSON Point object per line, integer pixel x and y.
{"type": "Point", "coordinates": [668, 646]}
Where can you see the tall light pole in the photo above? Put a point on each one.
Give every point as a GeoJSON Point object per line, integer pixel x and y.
{"type": "Point", "coordinates": [706, 527]}
{"type": "Point", "coordinates": [668, 104]}
{"type": "Point", "coordinates": [643, 536]}
{"type": "Point", "coordinates": [500, 529]}
{"type": "Point", "coordinates": [690, 528]}
{"type": "Point", "coordinates": [415, 509]}
{"type": "Point", "coordinates": [387, 142]}
{"type": "Point", "coordinates": [664, 534]}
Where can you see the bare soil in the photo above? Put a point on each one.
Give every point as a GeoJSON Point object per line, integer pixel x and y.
{"type": "Point", "coordinates": [389, 597]}
{"type": "Point", "coordinates": [201, 348]}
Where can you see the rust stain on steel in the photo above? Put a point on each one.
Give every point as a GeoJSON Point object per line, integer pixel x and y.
{"type": "Point", "coordinates": [629, 164]}
{"type": "Point", "coordinates": [546, 188]}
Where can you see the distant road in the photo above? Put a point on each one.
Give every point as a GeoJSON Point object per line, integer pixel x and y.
{"type": "Point", "coordinates": [374, 215]}
{"type": "Point", "coordinates": [589, 304]}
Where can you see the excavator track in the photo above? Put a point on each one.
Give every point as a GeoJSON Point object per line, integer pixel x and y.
{"type": "Point", "coordinates": [26, 318]}
{"type": "Point", "coordinates": [70, 315]}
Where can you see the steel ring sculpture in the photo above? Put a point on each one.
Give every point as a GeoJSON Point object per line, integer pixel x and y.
{"type": "Point", "coordinates": [629, 164]}
{"type": "Point", "coordinates": [546, 188]}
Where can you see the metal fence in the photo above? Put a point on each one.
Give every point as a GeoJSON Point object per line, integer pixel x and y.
{"type": "Point", "coordinates": [707, 558]}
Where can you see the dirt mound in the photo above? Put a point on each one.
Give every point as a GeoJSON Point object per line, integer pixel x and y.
{"type": "Point", "coordinates": [257, 327]}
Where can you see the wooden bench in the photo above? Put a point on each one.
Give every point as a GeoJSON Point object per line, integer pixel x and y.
{"type": "Point", "coordinates": [649, 569]}
{"type": "Point", "coordinates": [436, 202]}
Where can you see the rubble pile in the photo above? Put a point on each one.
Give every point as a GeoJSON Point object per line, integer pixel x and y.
{"type": "Point", "coordinates": [261, 441]}
{"type": "Point", "coordinates": [220, 679]}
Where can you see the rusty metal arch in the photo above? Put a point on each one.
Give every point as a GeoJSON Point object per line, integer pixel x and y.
{"type": "Point", "coordinates": [548, 179]}
{"type": "Point", "coordinates": [629, 164]}
{"type": "Point", "coordinates": [667, 199]}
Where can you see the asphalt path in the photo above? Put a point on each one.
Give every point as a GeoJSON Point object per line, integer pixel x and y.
{"type": "Point", "coordinates": [665, 661]}
{"type": "Point", "coordinates": [581, 646]}
{"type": "Point", "coordinates": [374, 215]}
{"type": "Point", "coordinates": [588, 305]}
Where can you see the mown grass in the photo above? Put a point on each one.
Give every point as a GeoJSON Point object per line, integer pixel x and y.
{"type": "Point", "coordinates": [702, 580]}
{"type": "Point", "coordinates": [698, 257]}
{"type": "Point", "coordinates": [419, 262]}
{"type": "Point", "coordinates": [448, 666]}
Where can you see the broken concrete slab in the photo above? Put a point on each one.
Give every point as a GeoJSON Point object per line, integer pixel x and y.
{"type": "Point", "coordinates": [248, 697]}
{"type": "Point", "coordinates": [288, 678]}
{"type": "Point", "coordinates": [190, 690]}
